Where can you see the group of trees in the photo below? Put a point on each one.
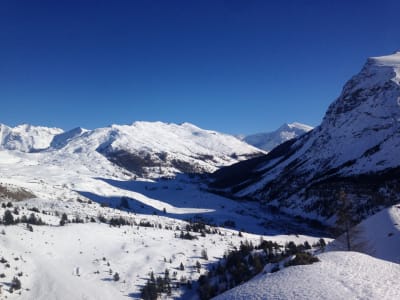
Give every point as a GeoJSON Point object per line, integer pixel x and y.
{"type": "Point", "coordinates": [9, 219]}
{"type": "Point", "coordinates": [242, 264]}
{"type": "Point", "coordinates": [157, 286]}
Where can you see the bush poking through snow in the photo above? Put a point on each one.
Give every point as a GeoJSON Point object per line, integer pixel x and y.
{"type": "Point", "coordinates": [116, 276]}
{"type": "Point", "coordinates": [302, 258]}
{"type": "Point", "coordinates": [15, 284]}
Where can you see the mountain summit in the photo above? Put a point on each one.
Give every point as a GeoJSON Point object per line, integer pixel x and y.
{"type": "Point", "coordinates": [355, 149]}
{"type": "Point", "coordinates": [269, 140]}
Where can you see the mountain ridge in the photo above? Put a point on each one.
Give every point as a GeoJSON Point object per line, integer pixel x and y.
{"type": "Point", "coordinates": [269, 140]}
{"type": "Point", "coordinates": [353, 147]}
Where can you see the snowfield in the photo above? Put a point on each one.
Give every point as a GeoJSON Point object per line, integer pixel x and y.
{"type": "Point", "coordinates": [339, 275]}
{"type": "Point", "coordinates": [78, 261]}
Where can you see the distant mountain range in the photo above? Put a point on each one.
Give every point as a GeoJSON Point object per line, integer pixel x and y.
{"type": "Point", "coordinates": [355, 149]}
{"type": "Point", "coordinates": [145, 149]}
{"type": "Point", "coordinates": [269, 140]}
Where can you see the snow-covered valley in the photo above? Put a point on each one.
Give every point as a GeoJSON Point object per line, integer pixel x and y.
{"type": "Point", "coordinates": [113, 212]}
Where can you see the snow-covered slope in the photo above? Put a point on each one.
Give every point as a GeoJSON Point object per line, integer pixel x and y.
{"type": "Point", "coordinates": [339, 275]}
{"type": "Point", "coordinates": [354, 149]}
{"type": "Point", "coordinates": [269, 140]}
{"type": "Point", "coordinates": [378, 235]}
{"type": "Point", "coordinates": [143, 149]}
{"type": "Point", "coordinates": [154, 149]}
{"type": "Point", "coordinates": [26, 137]}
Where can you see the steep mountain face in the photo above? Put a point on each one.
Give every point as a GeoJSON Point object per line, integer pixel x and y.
{"type": "Point", "coordinates": [26, 138]}
{"type": "Point", "coordinates": [269, 140]}
{"type": "Point", "coordinates": [355, 149]}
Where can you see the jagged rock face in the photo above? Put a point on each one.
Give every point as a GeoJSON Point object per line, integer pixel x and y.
{"type": "Point", "coordinates": [355, 148]}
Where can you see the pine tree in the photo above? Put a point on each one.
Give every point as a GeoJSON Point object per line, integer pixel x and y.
{"type": "Point", "coordinates": [64, 219]}
{"type": "Point", "coordinates": [116, 276]}
{"type": "Point", "coordinates": [346, 225]}
{"type": "Point", "coordinates": [8, 218]}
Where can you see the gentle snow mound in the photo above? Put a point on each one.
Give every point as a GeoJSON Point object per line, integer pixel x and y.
{"type": "Point", "coordinates": [339, 275]}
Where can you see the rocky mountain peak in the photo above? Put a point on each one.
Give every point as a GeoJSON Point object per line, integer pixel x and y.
{"type": "Point", "coordinates": [354, 149]}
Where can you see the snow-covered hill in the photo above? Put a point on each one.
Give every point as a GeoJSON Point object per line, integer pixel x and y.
{"type": "Point", "coordinates": [354, 149]}
{"type": "Point", "coordinates": [378, 235]}
{"type": "Point", "coordinates": [269, 140]}
{"type": "Point", "coordinates": [339, 275]}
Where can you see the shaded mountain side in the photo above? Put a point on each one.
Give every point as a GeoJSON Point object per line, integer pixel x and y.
{"type": "Point", "coordinates": [245, 172]}
{"type": "Point", "coordinates": [355, 150]}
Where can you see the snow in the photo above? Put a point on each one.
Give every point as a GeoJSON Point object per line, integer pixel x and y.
{"type": "Point", "coordinates": [372, 274]}
{"type": "Point", "coordinates": [26, 137]}
{"type": "Point", "coordinates": [269, 140]}
{"type": "Point", "coordinates": [74, 261]}
{"type": "Point", "coordinates": [379, 235]}
{"type": "Point", "coordinates": [359, 135]}
{"type": "Point", "coordinates": [339, 275]}
{"type": "Point", "coordinates": [61, 262]}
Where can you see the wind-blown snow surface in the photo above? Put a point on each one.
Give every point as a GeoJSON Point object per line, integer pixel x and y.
{"type": "Point", "coordinates": [339, 275]}
{"type": "Point", "coordinates": [269, 140]}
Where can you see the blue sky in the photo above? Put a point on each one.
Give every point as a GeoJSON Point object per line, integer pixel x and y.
{"type": "Point", "coordinates": [232, 66]}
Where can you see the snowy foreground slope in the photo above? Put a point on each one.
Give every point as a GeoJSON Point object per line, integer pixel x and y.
{"type": "Point", "coordinates": [378, 236]}
{"type": "Point", "coordinates": [339, 275]}
{"type": "Point", "coordinates": [269, 140]}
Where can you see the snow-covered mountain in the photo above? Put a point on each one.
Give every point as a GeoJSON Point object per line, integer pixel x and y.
{"type": "Point", "coordinates": [146, 149]}
{"type": "Point", "coordinates": [269, 140]}
{"type": "Point", "coordinates": [153, 149]}
{"type": "Point", "coordinates": [355, 149]}
{"type": "Point", "coordinates": [26, 138]}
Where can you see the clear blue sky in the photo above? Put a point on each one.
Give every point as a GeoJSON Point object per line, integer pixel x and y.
{"type": "Point", "coordinates": [232, 66]}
